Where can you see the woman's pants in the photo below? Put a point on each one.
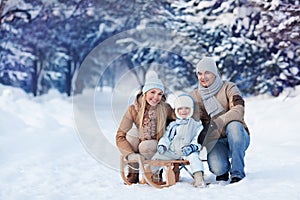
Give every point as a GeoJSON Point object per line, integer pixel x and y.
{"type": "Point", "coordinates": [146, 148]}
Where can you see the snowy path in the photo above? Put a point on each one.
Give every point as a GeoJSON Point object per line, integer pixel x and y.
{"type": "Point", "coordinates": [43, 157]}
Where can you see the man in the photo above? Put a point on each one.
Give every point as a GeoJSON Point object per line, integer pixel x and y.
{"type": "Point", "coordinates": [220, 107]}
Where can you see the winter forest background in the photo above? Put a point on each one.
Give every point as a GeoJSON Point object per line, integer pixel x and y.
{"type": "Point", "coordinates": [53, 146]}
{"type": "Point", "coordinates": [45, 43]}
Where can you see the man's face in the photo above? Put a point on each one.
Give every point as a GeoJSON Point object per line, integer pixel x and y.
{"type": "Point", "coordinates": [206, 79]}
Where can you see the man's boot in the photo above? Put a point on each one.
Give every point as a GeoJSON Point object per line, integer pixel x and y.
{"type": "Point", "coordinates": [133, 173]}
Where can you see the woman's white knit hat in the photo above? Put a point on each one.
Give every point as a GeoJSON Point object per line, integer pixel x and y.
{"type": "Point", "coordinates": [184, 100]}
{"type": "Point", "coordinates": [152, 81]}
{"type": "Point", "coordinates": [207, 64]}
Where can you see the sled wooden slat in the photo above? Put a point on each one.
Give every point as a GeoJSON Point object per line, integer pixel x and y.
{"type": "Point", "coordinates": [166, 162]}
{"type": "Point", "coordinates": [124, 163]}
{"type": "Point", "coordinates": [145, 170]}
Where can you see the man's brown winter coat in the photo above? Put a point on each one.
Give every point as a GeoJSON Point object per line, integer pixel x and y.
{"type": "Point", "coordinates": [231, 99]}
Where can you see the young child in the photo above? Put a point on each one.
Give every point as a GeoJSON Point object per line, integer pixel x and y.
{"type": "Point", "coordinates": [180, 139]}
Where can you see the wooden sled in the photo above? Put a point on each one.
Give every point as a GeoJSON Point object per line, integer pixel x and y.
{"type": "Point", "coordinates": [171, 175]}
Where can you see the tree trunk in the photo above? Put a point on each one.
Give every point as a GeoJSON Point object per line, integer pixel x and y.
{"type": "Point", "coordinates": [2, 6]}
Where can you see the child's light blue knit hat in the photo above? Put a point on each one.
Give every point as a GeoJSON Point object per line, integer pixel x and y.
{"type": "Point", "coordinates": [184, 100]}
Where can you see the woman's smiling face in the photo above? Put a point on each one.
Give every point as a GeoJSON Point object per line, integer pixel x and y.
{"type": "Point", "coordinates": [153, 96]}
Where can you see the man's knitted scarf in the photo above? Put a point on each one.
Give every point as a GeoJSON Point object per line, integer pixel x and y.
{"type": "Point", "coordinates": [211, 104]}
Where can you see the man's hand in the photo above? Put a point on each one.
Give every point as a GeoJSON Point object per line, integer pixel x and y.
{"type": "Point", "coordinates": [212, 131]}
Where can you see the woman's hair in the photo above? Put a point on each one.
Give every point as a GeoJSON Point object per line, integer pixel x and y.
{"type": "Point", "coordinates": [161, 115]}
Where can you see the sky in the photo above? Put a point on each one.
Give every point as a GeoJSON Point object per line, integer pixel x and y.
{"type": "Point", "coordinates": [57, 147]}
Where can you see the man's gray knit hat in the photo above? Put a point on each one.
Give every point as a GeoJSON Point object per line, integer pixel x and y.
{"type": "Point", "coordinates": [207, 64]}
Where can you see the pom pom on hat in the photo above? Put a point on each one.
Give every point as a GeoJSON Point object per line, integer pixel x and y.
{"type": "Point", "coordinates": [207, 64]}
{"type": "Point", "coordinates": [152, 81]}
{"type": "Point", "coordinates": [184, 100]}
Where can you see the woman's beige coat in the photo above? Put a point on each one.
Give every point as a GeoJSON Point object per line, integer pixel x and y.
{"type": "Point", "coordinates": [130, 118]}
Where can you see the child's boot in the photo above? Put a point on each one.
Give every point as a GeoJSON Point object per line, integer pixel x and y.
{"type": "Point", "coordinates": [199, 179]}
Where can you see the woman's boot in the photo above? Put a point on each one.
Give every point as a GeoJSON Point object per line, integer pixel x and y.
{"type": "Point", "coordinates": [133, 173]}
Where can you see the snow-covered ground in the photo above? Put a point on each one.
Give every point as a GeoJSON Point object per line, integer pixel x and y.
{"type": "Point", "coordinates": [49, 149]}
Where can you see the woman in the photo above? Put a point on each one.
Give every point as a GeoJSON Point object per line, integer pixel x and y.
{"type": "Point", "coordinates": [150, 115]}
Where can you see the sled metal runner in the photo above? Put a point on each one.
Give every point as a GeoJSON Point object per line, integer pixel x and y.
{"type": "Point", "coordinates": [171, 174]}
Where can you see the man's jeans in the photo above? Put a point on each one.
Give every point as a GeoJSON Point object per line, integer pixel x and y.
{"type": "Point", "coordinates": [233, 146]}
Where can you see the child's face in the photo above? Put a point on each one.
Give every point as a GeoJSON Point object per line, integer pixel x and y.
{"type": "Point", "coordinates": [184, 112]}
